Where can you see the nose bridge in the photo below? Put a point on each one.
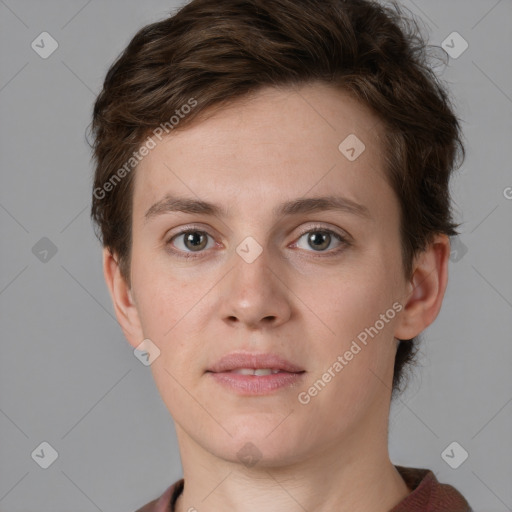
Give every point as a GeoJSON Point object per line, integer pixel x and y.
{"type": "Point", "coordinates": [254, 292]}
{"type": "Point", "coordinates": [252, 276]}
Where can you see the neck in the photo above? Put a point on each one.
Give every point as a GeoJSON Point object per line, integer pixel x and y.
{"type": "Point", "coordinates": [353, 475]}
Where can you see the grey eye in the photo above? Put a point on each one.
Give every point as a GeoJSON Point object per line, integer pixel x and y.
{"type": "Point", "coordinates": [319, 240]}
{"type": "Point", "coordinates": [193, 241]}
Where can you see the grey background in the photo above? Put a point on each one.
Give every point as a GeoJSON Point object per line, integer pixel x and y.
{"type": "Point", "coordinates": [68, 377]}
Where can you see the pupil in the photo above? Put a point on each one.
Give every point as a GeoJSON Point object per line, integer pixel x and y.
{"type": "Point", "coordinates": [195, 239]}
{"type": "Point", "coordinates": [320, 239]}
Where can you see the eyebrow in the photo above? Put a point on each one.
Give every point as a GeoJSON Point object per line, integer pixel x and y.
{"type": "Point", "coordinates": [172, 203]}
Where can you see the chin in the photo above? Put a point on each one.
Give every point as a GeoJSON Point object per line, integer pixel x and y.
{"type": "Point", "coordinates": [257, 447]}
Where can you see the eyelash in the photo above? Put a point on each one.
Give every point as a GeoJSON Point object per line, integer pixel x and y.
{"type": "Point", "coordinates": [321, 254]}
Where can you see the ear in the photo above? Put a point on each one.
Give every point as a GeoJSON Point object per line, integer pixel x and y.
{"type": "Point", "coordinates": [122, 298]}
{"type": "Point", "coordinates": [425, 291]}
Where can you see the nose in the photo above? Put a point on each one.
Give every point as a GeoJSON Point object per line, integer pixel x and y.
{"type": "Point", "coordinates": [255, 294]}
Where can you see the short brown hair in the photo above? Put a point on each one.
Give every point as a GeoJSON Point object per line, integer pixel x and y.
{"type": "Point", "coordinates": [215, 51]}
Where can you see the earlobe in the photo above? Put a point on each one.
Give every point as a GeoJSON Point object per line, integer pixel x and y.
{"type": "Point", "coordinates": [425, 291]}
{"type": "Point", "coordinates": [122, 299]}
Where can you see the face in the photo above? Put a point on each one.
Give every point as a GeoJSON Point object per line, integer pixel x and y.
{"type": "Point", "coordinates": [301, 282]}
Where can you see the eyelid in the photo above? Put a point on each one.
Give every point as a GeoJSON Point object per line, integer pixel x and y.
{"type": "Point", "coordinates": [338, 232]}
{"type": "Point", "coordinates": [170, 235]}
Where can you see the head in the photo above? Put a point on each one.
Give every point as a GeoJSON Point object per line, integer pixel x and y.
{"type": "Point", "coordinates": [246, 104]}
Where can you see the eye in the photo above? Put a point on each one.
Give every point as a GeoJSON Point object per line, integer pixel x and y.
{"type": "Point", "coordinates": [192, 241]}
{"type": "Point", "coordinates": [320, 239]}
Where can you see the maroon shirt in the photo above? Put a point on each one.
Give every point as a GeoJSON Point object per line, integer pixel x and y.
{"type": "Point", "coordinates": [427, 495]}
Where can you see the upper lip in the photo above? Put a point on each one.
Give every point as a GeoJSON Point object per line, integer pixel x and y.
{"type": "Point", "coordinates": [237, 360]}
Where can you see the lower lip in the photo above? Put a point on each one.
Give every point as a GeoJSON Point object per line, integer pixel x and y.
{"type": "Point", "coordinates": [256, 384]}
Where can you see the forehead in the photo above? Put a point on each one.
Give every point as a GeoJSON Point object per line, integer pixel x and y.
{"type": "Point", "coordinates": [276, 144]}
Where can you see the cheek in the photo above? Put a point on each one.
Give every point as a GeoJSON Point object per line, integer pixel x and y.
{"type": "Point", "coordinates": [358, 309]}
{"type": "Point", "coordinates": [173, 307]}
{"type": "Point", "coordinates": [168, 311]}
{"type": "Point", "coordinates": [352, 298]}
{"type": "Point", "coordinates": [351, 365]}
{"type": "Point", "coordinates": [163, 297]}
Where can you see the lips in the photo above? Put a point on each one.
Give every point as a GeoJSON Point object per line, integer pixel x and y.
{"type": "Point", "coordinates": [259, 371]}
{"type": "Point", "coordinates": [239, 362]}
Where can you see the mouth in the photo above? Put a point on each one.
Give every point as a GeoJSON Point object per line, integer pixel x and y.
{"type": "Point", "coordinates": [254, 364]}
{"type": "Point", "coordinates": [255, 374]}
{"type": "Point", "coordinates": [258, 372]}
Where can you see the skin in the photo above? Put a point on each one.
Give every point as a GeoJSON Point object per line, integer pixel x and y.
{"type": "Point", "coordinates": [295, 300]}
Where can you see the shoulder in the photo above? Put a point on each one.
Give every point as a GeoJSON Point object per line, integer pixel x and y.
{"type": "Point", "coordinates": [429, 494]}
{"type": "Point", "coordinates": [164, 503]}
{"type": "Point", "coordinates": [149, 507]}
